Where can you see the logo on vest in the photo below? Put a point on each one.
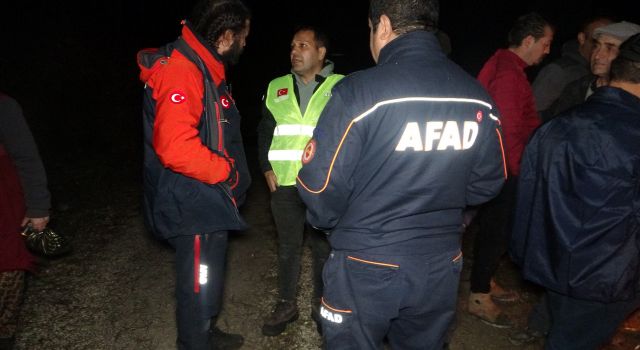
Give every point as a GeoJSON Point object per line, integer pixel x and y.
{"type": "Point", "coordinates": [282, 94]}
{"type": "Point", "coordinates": [309, 151]}
{"type": "Point", "coordinates": [177, 97]}
{"type": "Point", "coordinates": [330, 316]}
{"type": "Point", "coordinates": [479, 116]}
{"type": "Point", "coordinates": [441, 135]}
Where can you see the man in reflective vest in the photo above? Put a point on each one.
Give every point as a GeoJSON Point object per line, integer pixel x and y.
{"type": "Point", "coordinates": [292, 106]}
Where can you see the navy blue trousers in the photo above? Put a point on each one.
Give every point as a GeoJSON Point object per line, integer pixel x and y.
{"type": "Point", "coordinates": [200, 266]}
{"type": "Point", "coordinates": [584, 325]}
{"type": "Point", "coordinates": [409, 299]}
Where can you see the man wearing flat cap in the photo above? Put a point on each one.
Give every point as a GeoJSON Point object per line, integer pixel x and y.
{"type": "Point", "coordinates": [577, 220]}
{"type": "Point", "coordinates": [606, 43]}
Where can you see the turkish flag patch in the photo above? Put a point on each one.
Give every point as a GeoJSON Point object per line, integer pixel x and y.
{"type": "Point", "coordinates": [177, 97]}
{"type": "Point", "coordinates": [225, 102]}
{"type": "Point", "coordinates": [479, 116]}
{"type": "Point", "coordinates": [309, 151]}
{"type": "Point", "coordinates": [282, 92]}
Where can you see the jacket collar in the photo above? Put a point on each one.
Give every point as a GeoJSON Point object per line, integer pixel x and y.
{"type": "Point", "coordinates": [209, 56]}
{"type": "Point", "coordinates": [413, 44]}
{"type": "Point", "coordinates": [618, 96]}
{"type": "Point", "coordinates": [510, 55]}
{"type": "Point", "coordinates": [325, 72]}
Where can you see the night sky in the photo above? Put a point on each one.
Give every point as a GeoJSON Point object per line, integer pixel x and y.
{"type": "Point", "coordinates": [72, 65]}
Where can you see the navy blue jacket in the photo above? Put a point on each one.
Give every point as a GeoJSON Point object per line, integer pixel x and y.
{"type": "Point", "coordinates": [577, 220]}
{"type": "Point", "coordinates": [400, 150]}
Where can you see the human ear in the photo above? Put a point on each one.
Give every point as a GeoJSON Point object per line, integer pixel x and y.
{"type": "Point", "coordinates": [322, 51]}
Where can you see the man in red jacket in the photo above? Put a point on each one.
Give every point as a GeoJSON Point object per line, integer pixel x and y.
{"type": "Point", "coordinates": [504, 77]}
{"type": "Point", "coordinates": [195, 169]}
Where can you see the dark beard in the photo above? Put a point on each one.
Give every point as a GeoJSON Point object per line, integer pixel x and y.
{"type": "Point", "coordinates": [232, 56]}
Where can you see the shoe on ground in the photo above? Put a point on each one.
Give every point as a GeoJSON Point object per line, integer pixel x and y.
{"type": "Point", "coordinates": [524, 336]}
{"type": "Point", "coordinates": [501, 295]}
{"type": "Point", "coordinates": [632, 323]}
{"type": "Point", "coordinates": [221, 340]}
{"type": "Point", "coordinates": [482, 307]}
{"type": "Point", "coordinates": [284, 313]}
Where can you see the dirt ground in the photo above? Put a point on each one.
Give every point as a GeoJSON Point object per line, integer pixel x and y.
{"type": "Point", "coordinates": [115, 291]}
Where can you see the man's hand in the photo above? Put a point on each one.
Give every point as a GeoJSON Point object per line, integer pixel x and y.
{"type": "Point", "coordinates": [272, 180]}
{"type": "Point", "coordinates": [37, 224]}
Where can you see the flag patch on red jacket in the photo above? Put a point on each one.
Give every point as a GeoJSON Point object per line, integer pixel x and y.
{"type": "Point", "coordinates": [225, 102]}
{"type": "Point", "coordinates": [177, 97]}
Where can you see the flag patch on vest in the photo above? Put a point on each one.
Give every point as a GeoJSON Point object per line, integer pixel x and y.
{"type": "Point", "coordinates": [281, 95]}
{"type": "Point", "coordinates": [282, 92]}
{"type": "Point", "coordinates": [309, 151]}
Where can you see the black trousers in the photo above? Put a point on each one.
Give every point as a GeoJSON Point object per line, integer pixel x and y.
{"type": "Point", "coordinates": [289, 214]}
{"type": "Point", "coordinates": [493, 237]}
{"type": "Point", "coordinates": [200, 267]}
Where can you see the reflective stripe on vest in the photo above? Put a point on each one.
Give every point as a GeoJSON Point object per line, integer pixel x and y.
{"type": "Point", "coordinates": [293, 130]}
{"type": "Point", "coordinates": [284, 155]}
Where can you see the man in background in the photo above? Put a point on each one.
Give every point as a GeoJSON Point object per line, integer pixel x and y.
{"type": "Point", "coordinates": [505, 79]}
{"type": "Point", "coordinates": [571, 66]}
{"type": "Point", "coordinates": [606, 41]}
{"type": "Point", "coordinates": [24, 201]}
{"type": "Point", "coordinates": [576, 230]}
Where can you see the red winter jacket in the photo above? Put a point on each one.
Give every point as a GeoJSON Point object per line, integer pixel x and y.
{"type": "Point", "coordinates": [195, 169]}
{"type": "Point", "coordinates": [178, 91]}
{"type": "Point", "coordinates": [504, 77]}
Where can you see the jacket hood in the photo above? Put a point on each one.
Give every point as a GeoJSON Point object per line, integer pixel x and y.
{"type": "Point", "coordinates": [152, 59]}
{"type": "Point", "coordinates": [149, 61]}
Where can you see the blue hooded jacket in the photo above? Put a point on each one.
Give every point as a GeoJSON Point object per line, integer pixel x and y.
{"type": "Point", "coordinates": [577, 220]}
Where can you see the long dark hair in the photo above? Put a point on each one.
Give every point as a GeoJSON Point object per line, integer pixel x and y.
{"type": "Point", "coordinates": [211, 18]}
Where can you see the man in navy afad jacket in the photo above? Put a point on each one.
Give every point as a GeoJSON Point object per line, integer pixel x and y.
{"type": "Point", "coordinates": [399, 151]}
{"type": "Point", "coordinates": [577, 222]}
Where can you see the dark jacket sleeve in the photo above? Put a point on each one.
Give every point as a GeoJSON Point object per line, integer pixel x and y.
{"type": "Point", "coordinates": [325, 181]}
{"type": "Point", "coordinates": [490, 170]}
{"type": "Point", "coordinates": [265, 135]}
{"type": "Point", "coordinates": [573, 94]}
{"type": "Point", "coordinates": [19, 143]}
{"type": "Point", "coordinates": [548, 85]}
{"type": "Point", "coordinates": [524, 200]}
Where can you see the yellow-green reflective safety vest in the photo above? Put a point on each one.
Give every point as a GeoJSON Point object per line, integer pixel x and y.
{"type": "Point", "coordinates": [293, 130]}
